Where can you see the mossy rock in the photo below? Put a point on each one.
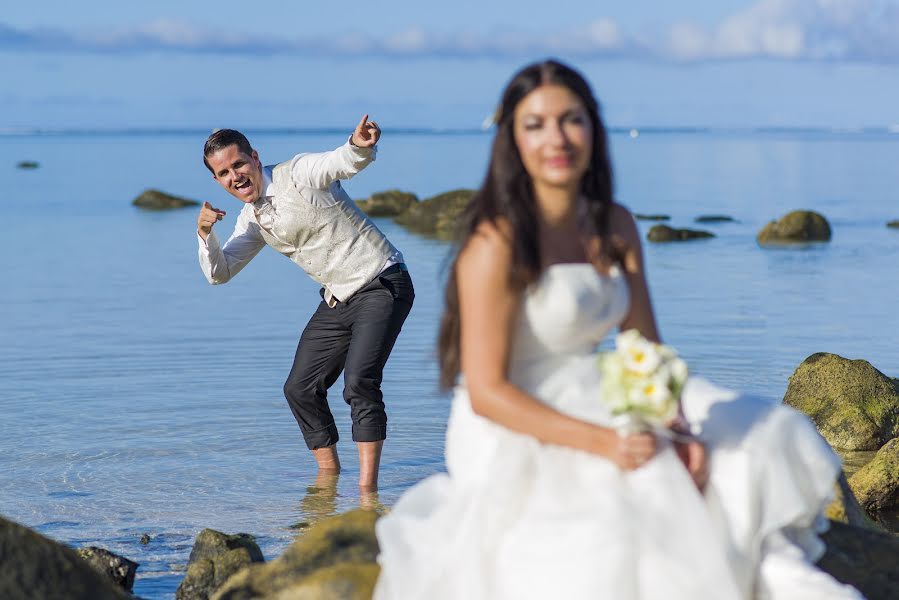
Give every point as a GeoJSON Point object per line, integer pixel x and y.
{"type": "Point", "coordinates": [663, 233]}
{"type": "Point", "coordinates": [206, 575]}
{"type": "Point", "coordinates": [845, 507]}
{"type": "Point", "coordinates": [438, 216]}
{"type": "Point", "coordinates": [645, 217]}
{"type": "Point", "coordinates": [347, 541]}
{"type": "Point", "coordinates": [854, 406]}
{"type": "Point", "coordinates": [390, 203]}
{"type": "Point", "coordinates": [876, 485]}
{"type": "Point", "coordinates": [37, 568]}
{"type": "Point", "coordinates": [795, 227]}
{"type": "Point", "coordinates": [893, 224]}
{"type": "Point", "coordinates": [156, 200]}
{"type": "Point", "coordinates": [346, 581]}
{"type": "Point", "coordinates": [28, 164]}
{"type": "Point", "coordinates": [714, 219]}
{"type": "Point", "coordinates": [865, 559]}
{"type": "Point", "coordinates": [211, 543]}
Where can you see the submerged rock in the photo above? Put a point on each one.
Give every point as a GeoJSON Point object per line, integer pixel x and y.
{"type": "Point", "coordinates": [876, 485]}
{"type": "Point", "coordinates": [854, 406]}
{"type": "Point", "coordinates": [37, 568]}
{"type": "Point", "coordinates": [868, 560]}
{"type": "Point", "coordinates": [215, 557]}
{"type": "Point", "coordinates": [643, 217]}
{"type": "Point", "coordinates": [796, 227]}
{"type": "Point", "coordinates": [663, 233]}
{"type": "Point", "coordinates": [437, 216]}
{"type": "Point", "coordinates": [390, 203]}
{"type": "Point", "coordinates": [714, 219]}
{"type": "Point", "coordinates": [28, 164]}
{"type": "Point", "coordinates": [117, 569]}
{"type": "Point", "coordinates": [334, 559]}
{"type": "Point", "coordinates": [156, 200]}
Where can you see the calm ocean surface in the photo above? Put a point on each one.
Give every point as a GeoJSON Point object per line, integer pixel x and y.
{"type": "Point", "coordinates": [136, 398]}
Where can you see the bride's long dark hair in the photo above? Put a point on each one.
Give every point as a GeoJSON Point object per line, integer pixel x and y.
{"type": "Point", "coordinates": [507, 193]}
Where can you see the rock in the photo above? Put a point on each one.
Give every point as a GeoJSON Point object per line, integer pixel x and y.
{"type": "Point", "coordinates": [797, 226]}
{"type": "Point", "coordinates": [846, 509]}
{"type": "Point", "coordinates": [438, 216]}
{"type": "Point", "coordinates": [28, 164]}
{"type": "Point", "coordinates": [893, 224]}
{"type": "Point", "coordinates": [37, 568]}
{"type": "Point", "coordinates": [156, 200]}
{"type": "Point", "coordinates": [876, 485]}
{"type": "Point", "coordinates": [335, 559]}
{"type": "Point", "coordinates": [663, 233]}
{"type": "Point", "coordinates": [211, 543]}
{"type": "Point", "coordinates": [714, 219]}
{"type": "Point", "coordinates": [854, 406]}
{"type": "Point", "coordinates": [117, 569]}
{"type": "Point", "coordinates": [145, 539]}
{"type": "Point", "coordinates": [387, 204]}
{"type": "Point", "coordinates": [642, 217]}
{"type": "Point", "coordinates": [868, 560]}
{"type": "Point", "coordinates": [207, 575]}
{"type": "Point", "coordinates": [215, 557]}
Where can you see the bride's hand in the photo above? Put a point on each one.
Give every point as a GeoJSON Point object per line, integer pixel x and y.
{"type": "Point", "coordinates": [633, 450]}
{"type": "Point", "coordinates": [693, 454]}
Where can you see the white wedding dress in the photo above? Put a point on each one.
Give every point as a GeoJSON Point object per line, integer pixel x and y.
{"type": "Point", "coordinates": [516, 519]}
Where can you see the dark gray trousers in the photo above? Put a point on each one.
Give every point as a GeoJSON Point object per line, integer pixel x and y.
{"type": "Point", "coordinates": [355, 337]}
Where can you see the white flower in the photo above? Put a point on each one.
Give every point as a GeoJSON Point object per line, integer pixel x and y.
{"type": "Point", "coordinates": [640, 355]}
{"type": "Point", "coordinates": [641, 380]}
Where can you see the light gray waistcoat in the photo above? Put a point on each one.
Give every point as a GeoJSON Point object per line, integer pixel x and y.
{"type": "Point", "coordinates": [337, 245]}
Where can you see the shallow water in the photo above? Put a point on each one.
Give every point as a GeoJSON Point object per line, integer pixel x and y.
{"type": "Point", "coordinates": [138, 399]}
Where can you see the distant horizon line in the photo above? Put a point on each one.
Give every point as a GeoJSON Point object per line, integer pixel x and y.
{"type": "Point", "coordinates": [632, 130]}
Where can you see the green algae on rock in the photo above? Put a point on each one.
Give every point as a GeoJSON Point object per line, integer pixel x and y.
{"type": "Point", "coordinates": [663, 233]}
{"type": "Point", "coordinates": [876, 485]}
{"type": "Point", "coordinates": [854, 406]}
{"type": "Point", "coordinates": [390, 203]}
{"type": "Point", "coordinates": [797, 226]}
{"type": "Point", "coordinates": [645, 217]}
{"type": "Point", "coordinates": [335, 558]}
{"type": "Point", "coordinates": [437, 216]}
{"type": "Point", "coordinates": [157, 200]}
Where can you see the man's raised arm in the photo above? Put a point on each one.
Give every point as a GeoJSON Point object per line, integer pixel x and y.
{"type": "Point", "coordinates": [319, 170]}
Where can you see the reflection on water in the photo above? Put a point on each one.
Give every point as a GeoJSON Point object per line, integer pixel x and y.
{"type": "Point", "coordinates": [322, 501]}
{"type": "Point", "coordinates": [853, 460]}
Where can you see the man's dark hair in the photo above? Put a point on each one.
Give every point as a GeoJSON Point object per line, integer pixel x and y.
{"type": "Point", "coordinates": [221, 139]}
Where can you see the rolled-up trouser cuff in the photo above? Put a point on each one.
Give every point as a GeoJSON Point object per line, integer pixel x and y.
{"type": "Point", "coordinates": [369, 433]}
{"type": "Point", "coordinates": [321, 438]}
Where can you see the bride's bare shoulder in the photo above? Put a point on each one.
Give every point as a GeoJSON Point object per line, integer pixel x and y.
{"type": "Point", "coordinates": [488, 249]}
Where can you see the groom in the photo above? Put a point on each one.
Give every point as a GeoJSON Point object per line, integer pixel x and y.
{"type": "Point", "coordinates": [300, 209]}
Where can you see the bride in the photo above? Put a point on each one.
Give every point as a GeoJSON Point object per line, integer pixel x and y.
{"type": "Point", "coordinates": [543, 499]}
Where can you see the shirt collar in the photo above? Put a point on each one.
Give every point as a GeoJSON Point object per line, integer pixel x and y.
{"type": "Point", "coordinates": [268, 188]}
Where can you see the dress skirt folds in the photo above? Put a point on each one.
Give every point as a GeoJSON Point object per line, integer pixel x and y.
{"type": "Point", "coordinates": [517, 519]}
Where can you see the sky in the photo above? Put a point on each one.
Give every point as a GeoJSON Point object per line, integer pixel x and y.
{"type": "Point", "coordinates": [108, 64]}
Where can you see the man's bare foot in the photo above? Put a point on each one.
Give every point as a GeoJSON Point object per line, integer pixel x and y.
{"type": "Point", "coordinates": [327, 459]}
{"type": "Point", "coordinates": [369, 463]}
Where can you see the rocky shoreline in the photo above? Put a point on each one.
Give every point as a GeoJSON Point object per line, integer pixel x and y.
{"type": "Point", "coordinates": [854, 406]}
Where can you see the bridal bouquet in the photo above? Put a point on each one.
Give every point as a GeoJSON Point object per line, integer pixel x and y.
{"type": "Point", "coordinates": [641, 382]}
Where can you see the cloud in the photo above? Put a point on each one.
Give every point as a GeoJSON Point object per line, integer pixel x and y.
{"type": "Point", "coordinates": [796, 30]}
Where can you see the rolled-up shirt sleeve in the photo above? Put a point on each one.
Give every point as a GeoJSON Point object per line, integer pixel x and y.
{"type": "Point", "coordinates": [319, 170]}
{"type": "Point", "coordinates": [221, 263]}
